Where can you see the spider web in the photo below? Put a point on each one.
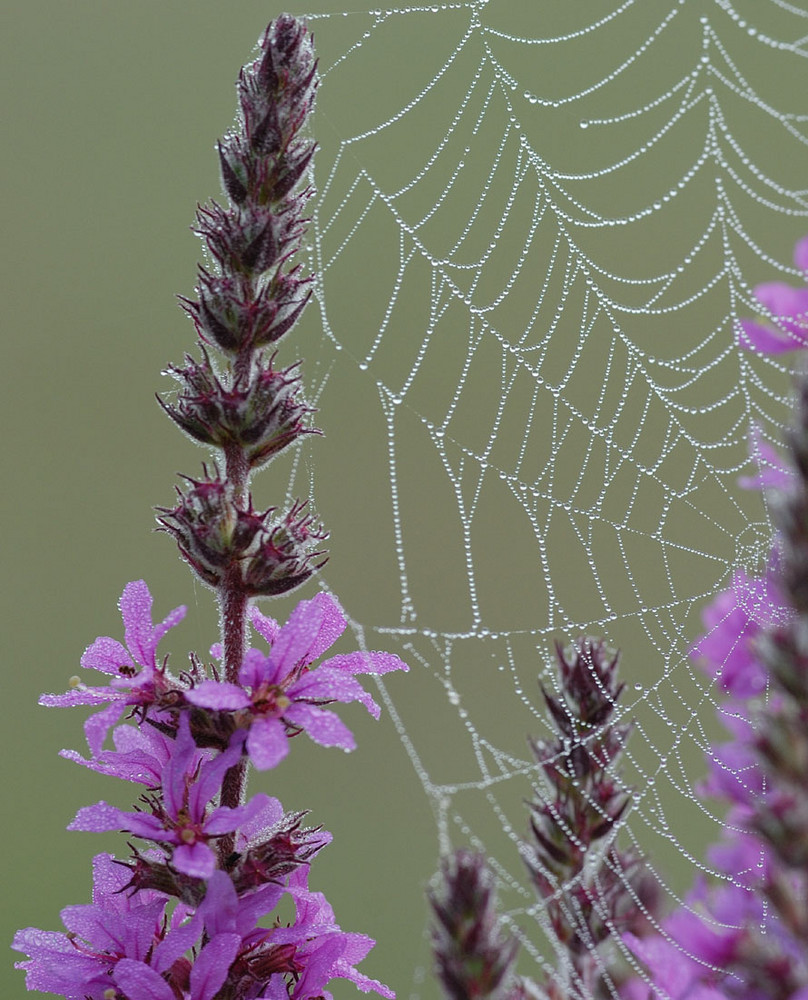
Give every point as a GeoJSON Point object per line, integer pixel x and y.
{"type": "Point", "coordinates": [537, 226]}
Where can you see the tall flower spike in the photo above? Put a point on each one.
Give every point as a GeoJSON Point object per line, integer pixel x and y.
{"type": "Point", "coordinates": [474, 959]}
{"type": "Point", "coordinates": [591, 889]}
{"type": "Point", "coordinates": [192, 915]}
{"type": "Point", "coordinates": [249, 300]}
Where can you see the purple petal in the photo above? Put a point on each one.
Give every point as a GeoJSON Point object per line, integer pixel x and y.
{"type": "Point", "coordinates": [212, 965]}
{"type": "Point", "coordinates": [103, 817]}
{"type": "Point", "coordinates": [171, 619]}
{"type": "Point", "coordinates": [801, 254]}
{"type": "Point", "coordinates": [330, 684]}
{"type": "Point", "coordinates": [179, 940]}
{"type": "Point", "coordinates": [295, 639]}
{"type": "Point", "coordinates": [99, 818]}
{"type": "Point", "coordinates": [754, 337]}
{"type": "Point", "coordinates": [218, 694]}
{"type": "Point", "coordinates": [270, 813]}
{"type": "Point", "coordinates": [179, 765]}
{"type": "Point", "coordinates": [211, 775]}
{"type": "Point", "coordinates": [323, 727]}
{"type": "Point", "coordinates": [98, 725]}
{"type": "Point", "coordinates": [365, 663]}
{"type": "Point", "coordinates": [139, 981]}
{"type": "Point", "coordinates": [196, 860]}
{"type": "Point", "coordinates": [225, 819]}
{"type": "Point", "coordinates": [77, 696]}
{"type": "Point", "coordinates": [254, 669]}
{"type": "Point", "coordinates": [265, 626]}
{"type": "Point", "coordinates": [219, 907]}
{"type": "Point", "coordinates": [106, 655]}
{"type": "Point", "coordinates": [320, 962]}
{"type": "Point", "coordinates": [136, 605]}
{"type": "Point", "coordinates": [267, 743]}
{"type": "Point", "coordinates": [332, 624]}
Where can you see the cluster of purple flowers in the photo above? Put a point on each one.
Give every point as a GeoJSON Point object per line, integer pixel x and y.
{"type": "Point", "coordinates": [745, 934]}
{"type": "Point", "coordinates": [226, 866]}
{"type": "Point", "coordinates": [190, 914]}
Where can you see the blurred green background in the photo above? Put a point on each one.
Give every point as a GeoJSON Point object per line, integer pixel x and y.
{"type": "Point", "coordinates": [112, 110]}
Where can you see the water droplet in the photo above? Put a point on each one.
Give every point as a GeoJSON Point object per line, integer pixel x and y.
{"type": "Point", "coordinates": [583, 124]}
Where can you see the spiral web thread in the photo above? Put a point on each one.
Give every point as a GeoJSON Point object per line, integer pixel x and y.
{"type": "Point", "coordinates": [566, 208]}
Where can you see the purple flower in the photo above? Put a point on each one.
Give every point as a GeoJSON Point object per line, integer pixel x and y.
{"type": "Point", "coordinates": [732, 622]}
{"type": "Point", "coordinates": [280, 695]}
{"type": "Point", "coordinates": [114, 928]}
{"type": "Point", "coordinates": [290, 962]}
{"type": "Point", "coordinates": [136, 680]}
{"type": "Point", "coordinates": [773, 470]}
{"type": "Point", "coordinates": [181, 817]}
{"type": "Point", "coordinates": [735, 773]}
{"type": "Point", "coordinates": [788, 309]}
{"type": "Point", "coordinates": [325, 951]}
{"type": "Point", "coordinates": [141, 754]}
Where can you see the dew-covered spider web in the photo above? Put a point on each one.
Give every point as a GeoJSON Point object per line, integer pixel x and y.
{"type": "Point", "coordinates": [538, 223]}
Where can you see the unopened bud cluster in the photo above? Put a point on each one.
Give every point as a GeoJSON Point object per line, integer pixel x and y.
{"type": "Point", "coordinates": [244, 406]}
{"type": "Point", "coordinates": [592, 889]}
{"type": "Point", "coordinates": [474, 958]}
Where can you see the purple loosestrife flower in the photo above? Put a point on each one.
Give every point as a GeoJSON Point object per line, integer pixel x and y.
{"type": "Point", "coordinates": [785, 327]}
{"type": "Point", "coordinates": [280, 695]}
{"type": "Point", "coordinates": [114, 929]}
{"type": "Point", "coordinates": [733, 621]}
{"type": "Point", "coordinates": [181, 818]}
{"type": "Point", "coordinates": [137, 680]}
{"type": "Point", "coordinates": [746, 935]}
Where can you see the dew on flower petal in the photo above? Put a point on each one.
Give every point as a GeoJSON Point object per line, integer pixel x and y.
{"type": "Point", "coordinates": [75, 681]}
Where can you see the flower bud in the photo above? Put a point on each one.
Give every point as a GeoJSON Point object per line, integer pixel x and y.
{"type": "Point", "coordinates": [235, 316]}
{"type": "Point", "coordinates": [284, 559]}
{"type": "Point", "coordinates": [261, 412]}
{"type": "Point", "coordinates": [271, 556]}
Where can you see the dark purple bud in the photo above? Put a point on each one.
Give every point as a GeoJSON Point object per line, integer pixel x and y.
{"type": "Point", "coordinates": [232, 315]}
{"type": "Point", "coordinates": [234, 174]}
{"type": "Point", "coordinates": [250, 240]}
{"type": "Point", "coordinates": [474, 959]}
{"type": "Point", "coordinates": [265, 138]}
{"type": "Point", "coordinates": [291, 174]}
{"type": "Point", "coordinates": [288, 847]}
{"type": "Point", "coordinates": [261, 412]}
{"type": "Point", "coordinates": [284, 558]}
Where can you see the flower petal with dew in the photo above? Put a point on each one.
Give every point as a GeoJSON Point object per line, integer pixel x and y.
{"type": "Point", "coordinates": [785, 327]}
{"type": "Point", "coordinates": [181, 818]}
{"type": "Point", "coordinates": [773, 470]}
{"type": "Point", "coordinates": [141, 754]}
{"type": "Point", "coordinates": [136, 678]}
{"type": "Point", "coordinates": [114, 927]}
{"type": "Point", "coordinates": [280, 694]}
{"type": "Point", "coordinates": [732, 621]}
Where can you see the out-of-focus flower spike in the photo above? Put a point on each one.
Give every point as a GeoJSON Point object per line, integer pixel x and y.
{"type": "Point", "coordinates": [474, 958]}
